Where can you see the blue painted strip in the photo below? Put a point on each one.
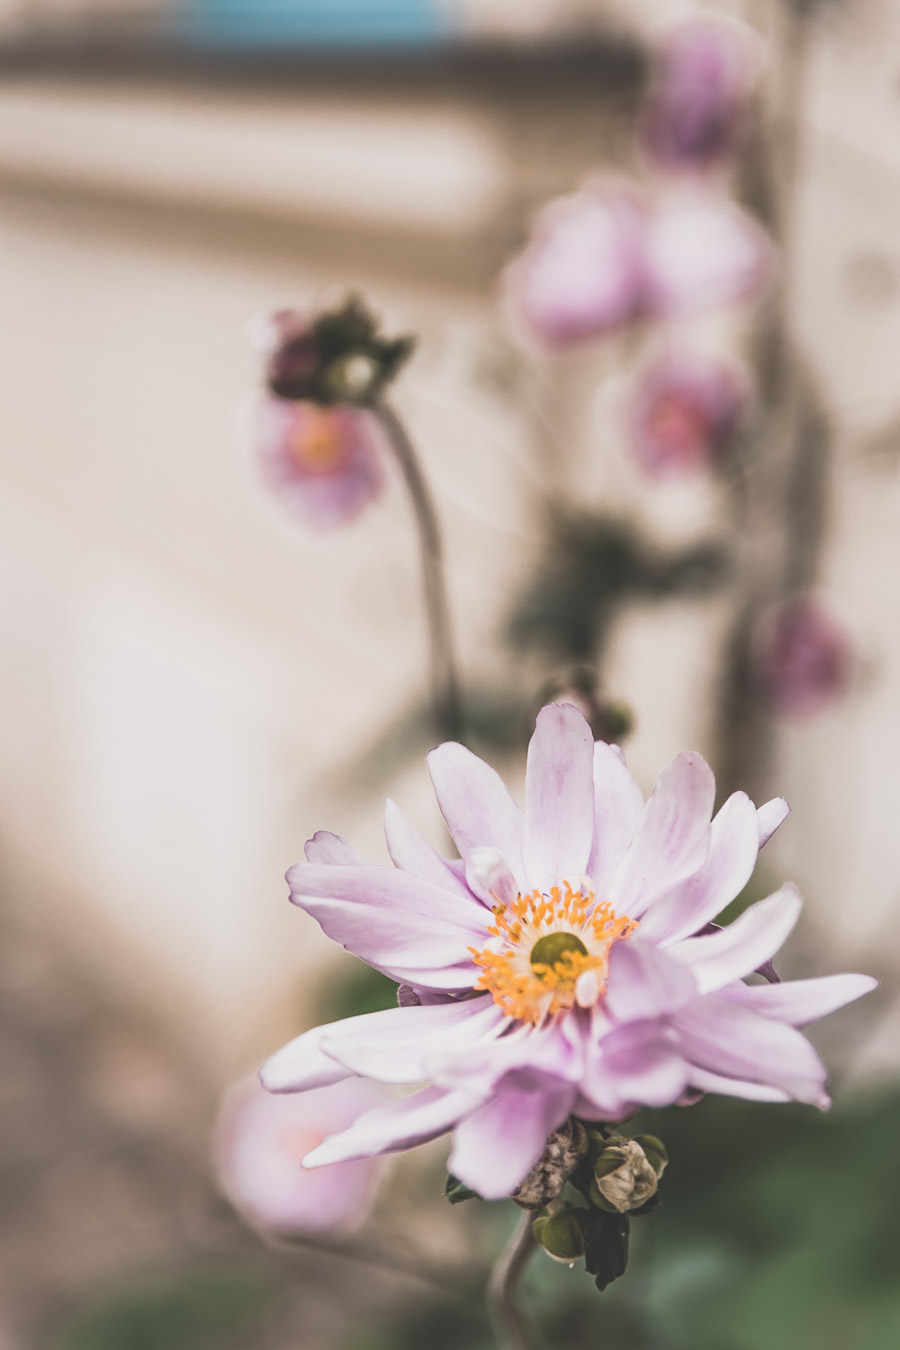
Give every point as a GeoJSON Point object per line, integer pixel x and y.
{"type": "Point", "coordinates": [315, 22]}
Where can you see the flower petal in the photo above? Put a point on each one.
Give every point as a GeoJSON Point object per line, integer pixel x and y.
{"type": "Point", "coordinates": [734, 846]}
{"type": "Point", "coordinates": [559, 796]}
{"type": "Point", "coordinates": [391, 1044]}
{"type": "Point", "coordinates": [645, 982]}
{"type": "Point", "coordinates": [702, 251]}
{"type": "Point", "coordinates": [476, 805]}
{"type": "Point", "coordinates": [637, 1063]}
{"type": "Point", "coordinates": [672, 840]}
{"type": "Point", "coordinates": [325, 847]}
{"type": "Point", "coordinates": [302, 1064]}
{"type": "Point", "coordinates": [719, 1035]}
{"type": "Point", "coordinates": [733, 952]}
{"type": "Point", "coordinates": [531, 1058]}
{"type": "Point", "coordinates": [400, 1125]}
{"type": "Point", "coordinates": [704, 1081]}
{"type": "Point", "coordinates": [496, 1147]}
{"type": "Point", "coordinates": [410, 852]}
{"type": "Point", "coordinates": [397, 1049]}
{"type": "Point", "coordinates": [413, 931]}
{"type": "Point", "coordinates": [799, 1002]}
{"type": "Point", "coordinates": [770, 815]}
{"type": "Point", "coordinates": [618, 807]}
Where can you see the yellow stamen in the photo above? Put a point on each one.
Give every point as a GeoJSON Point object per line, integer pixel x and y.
{"type": "Point", "coordinates": [549, 951]}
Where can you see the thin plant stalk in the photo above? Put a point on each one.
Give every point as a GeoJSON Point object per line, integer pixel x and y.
{"type": "Point", "coordinates": [445, 695]}
{"type": "Point", "coordinates": [502, 1290]}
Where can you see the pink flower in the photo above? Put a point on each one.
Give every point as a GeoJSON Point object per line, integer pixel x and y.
{"type": "Point", "coordinates": [685, 411]}
{"type": "Point", "coordinates": [262, 1140]}
{"type": "Point", "coordinates": [695, 117]}
{"type": "Point", "coordinates": [582, 274]}
{"type": "Point", "coordinates": [701, 251]}
{"type": "Point", "coordinates": [599, 259]}
{"type": "Point", "coordinates": [804, 658]}
{"type": "Point", "coordinates": [325, 463]}
{"type": "Point", "coordinates": [561, 965]}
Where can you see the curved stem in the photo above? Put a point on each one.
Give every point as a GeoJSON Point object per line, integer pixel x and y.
{"type": "Point", "coordinates": [444, 681]}
{"type": "Point", "coordinates": [505, 1316]}
{"type": "Point", "coordinates": [370, 1254]}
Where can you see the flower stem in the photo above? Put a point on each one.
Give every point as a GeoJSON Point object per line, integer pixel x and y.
{"type": "Point", "coordinates": [505, 1316]}
{"type": "Point", "coordinates": [444, 680]}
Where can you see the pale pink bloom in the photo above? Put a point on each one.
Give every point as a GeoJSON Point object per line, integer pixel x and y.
{"type": "Point", "coordinates": [705, 68]}
{"type": "Point", "coordinates": [700, 252]}
{"type": "Point", "coordinates": [560, 966]}
{"type": "Point", "coordinates": [581, 275]}
{"type": "Point", "coordinates": [324, 463]}
{"type": "Point", "coordinates": [685, 410]}
{"type": "Point", "coordinates": [804, 657]}
{"type": "Point", "coordinates": [262, 1140]}
{"type": "Point", "coordinates": [600, 259]}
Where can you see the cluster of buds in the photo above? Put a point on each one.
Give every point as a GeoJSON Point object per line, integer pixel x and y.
{"type": "Point", "coordinates": [617, 1177]}
{"type": "Point", "coordinates": [337, 356]}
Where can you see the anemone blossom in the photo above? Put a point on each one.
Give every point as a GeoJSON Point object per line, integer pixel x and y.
{"type": "Point", "coordinates": [686, 409]}
{"type": "Point", "coordinates": [262, 1139]}
{"type": "Point", "coordinates": [563, 965]}
{"type": "Point", "coordinates": [323, 463]}
{"type": "Point", "coordinates": [601, 258]}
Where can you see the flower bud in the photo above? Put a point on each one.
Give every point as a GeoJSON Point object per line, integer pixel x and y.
{"type": "Point", "coordinates": [561, 1235]}
{"type": "Point", "coordinates": [803, 657]}
{"type": "Point", "coordinates": [655, 1151]}
{"type": "Point", "coordinates": [564, 1151]}
{"type": "Point", "coordinates": [624, 1175]}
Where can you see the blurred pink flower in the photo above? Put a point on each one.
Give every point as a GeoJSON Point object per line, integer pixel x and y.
{"type": "Point", "coordinates": [685, 410]}
{"type": "Point", "coordinates": [262, 1140]}
{"type": "Point", "coordinates": [563, 965]}
{"type": "Point", "coordinates": [581, 274]}
{"type": "Point", "coordinates": [804, 657]}
{"type": "Point", "coordinates": [696, 112]}
{"type": "Point", "coordinates": [600, 259]}
{"type": "Point", "coordinates": [701, 251]}
{"type": "Point", "coordinates": [325, 463]}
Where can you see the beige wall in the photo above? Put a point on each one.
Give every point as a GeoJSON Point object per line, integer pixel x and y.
{"type": "Point", "coordinates": [187, 679]}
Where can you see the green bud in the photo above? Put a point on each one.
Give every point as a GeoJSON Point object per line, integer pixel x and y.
{"type": "Point", "coordinates": [624, 1177]}
{"type": "Point", "coordinates": [561, 1235]}
{"type": "Point", "coordinates": [655, 1150]}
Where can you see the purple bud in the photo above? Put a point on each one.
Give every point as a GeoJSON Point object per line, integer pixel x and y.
{"type": "Point", "coordinates": [685, 412]}
{"type": "Point", "coordinates": [696, 112]}
{"type": "Point", "coordinates": [803, 657]}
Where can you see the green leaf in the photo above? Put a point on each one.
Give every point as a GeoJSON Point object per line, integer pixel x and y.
{"type": "Point", "coordinates": [606, 1246]}
{"type": "Point", "coordinates": [456, 1192]}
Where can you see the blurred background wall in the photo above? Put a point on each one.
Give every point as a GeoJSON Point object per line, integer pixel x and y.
{"type": "Point", "coordinates": [191, 676]}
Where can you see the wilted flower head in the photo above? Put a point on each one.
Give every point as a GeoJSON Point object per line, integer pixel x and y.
{"type": "Point", "coordinates": [704, 70]}
{"type": "Point", "coordinates": [561, 965]}
{"type": "Point", "coordinates": [685, 410]}
{"type": "Point", "coordinates": [262, 1140]}
{"type": "Point", "coordinates": [804, 657]}
{"type": "Point", "coordinates": [324, 463]}
{"type": "Point", "coordinates": [600, 259]}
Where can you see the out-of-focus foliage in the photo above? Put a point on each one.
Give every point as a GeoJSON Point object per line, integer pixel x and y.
{"type": "Point", "coordinates": [779, 1229]}
{"type": "Point", "coordinates": [592, 565]}
{"type": "Point", "coordinates": [211, 1308]}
